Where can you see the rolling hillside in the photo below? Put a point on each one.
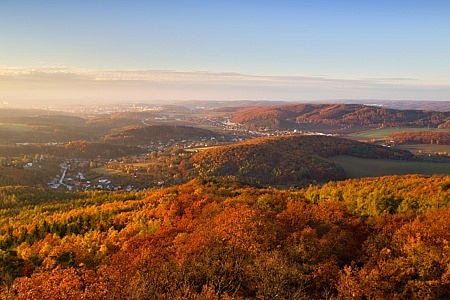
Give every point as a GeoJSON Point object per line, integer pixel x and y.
{"type": "Point", "coordinates": [153, 133]}
{"type": "Point", "coordinates": [342, 116]}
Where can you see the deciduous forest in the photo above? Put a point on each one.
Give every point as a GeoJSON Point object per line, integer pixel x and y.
{"type": "Point", "coordinates": [379, 238]}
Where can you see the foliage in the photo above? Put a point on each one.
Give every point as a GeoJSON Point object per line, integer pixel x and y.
{"type": "Point", "coordinates": [388, 194]}
{"type": "Point", "coordinates": [382, 238]}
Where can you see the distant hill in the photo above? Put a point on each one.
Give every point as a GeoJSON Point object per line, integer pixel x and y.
{"type": "Point", "coordinates": [285, 161]}
{"type": "Point", "coordinates": [414, 104]}
{"type": "Point", "coordinates": [153, 133]}
{"type": "Point", "coordinates": [46, 120]}
{"type": "Point", "coordinates": [429, 105]}
{"type": "Point", "coordinates": [338, 116]}
{"type": "Point", "coordinates": [421, 137]}
{"type": "Point", "coordinates": [17, 112]}
{"type": "Point", "coordinates": [215, 104]}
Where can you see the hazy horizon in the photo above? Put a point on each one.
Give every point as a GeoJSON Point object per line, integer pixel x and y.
{"type": "Point", "coordinates": [59, 52]}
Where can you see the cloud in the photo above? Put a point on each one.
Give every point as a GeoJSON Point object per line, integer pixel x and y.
{"type": "Point", "coordinates": [64, 73]}
{"type": "Point", "coordinates": [77, 85]}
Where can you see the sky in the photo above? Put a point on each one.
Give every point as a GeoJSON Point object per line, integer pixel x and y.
{"type": "Point", "coordinates": [106, 51]}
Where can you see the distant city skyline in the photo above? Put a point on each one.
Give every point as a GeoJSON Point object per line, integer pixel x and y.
{"type": "Point", "coordinates": [82, 52]}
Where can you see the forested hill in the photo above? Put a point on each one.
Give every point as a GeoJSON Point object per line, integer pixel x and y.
{"type": "Point", "coordinates": [344, 115]}
{"type": "Point", "coordinates": [153, 133]}
{"type": "Point", "coordinates": [421, 137]}
{"type": "Point", "coordinates": [284, 161]}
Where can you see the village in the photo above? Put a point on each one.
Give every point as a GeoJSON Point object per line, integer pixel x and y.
{"type": "Point", "coordinates": [72, 177]}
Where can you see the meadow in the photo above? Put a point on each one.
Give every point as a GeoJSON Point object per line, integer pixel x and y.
{"type": "Point", "coordinates": [425, 148]}
{"type": "Point", "coordinates": [360, 167]}
{"type": "Point", "coordinates": [12, 133]}
{"type": "Point", "coordinates": [382, 133]}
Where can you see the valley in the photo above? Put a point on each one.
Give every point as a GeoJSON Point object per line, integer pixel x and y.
{"type": "Point", "coordinates": [188, 203]}
{"type": "Point", "coordinates": [140, 145]}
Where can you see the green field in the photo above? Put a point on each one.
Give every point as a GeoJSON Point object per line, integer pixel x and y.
{"type": "Point", "coordinates": [13, 133]}
{"type": "Point", "coordinates": [106, 172]}
{"type": "Point", "coordinates": [14, 127]}
{"type": "Point", "coordinates": [199, 149]}
{"type": "Point", "coordinates": [382, 133]}
{"type": "Point", "coordinates": [361, 167]}
{"type": "Point", "coordinates": [425, 148]}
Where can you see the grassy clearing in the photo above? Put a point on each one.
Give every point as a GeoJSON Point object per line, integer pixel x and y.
{"type": "Point", "coordinates": [361, 167]}
{"type": "Point", "coordinates": [199, 149]}
{"type": "Point", "coordinates": [14, 133]}
{"type": "Point", "coordinates": [382, 133]}
{"type": "Point", "coordinates": [105, 171]}
{"type": "Point", "coordinates": [15, 127]}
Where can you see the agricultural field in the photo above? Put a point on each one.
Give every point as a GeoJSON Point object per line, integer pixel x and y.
{"type": "Point", "coordinates": [420, 149]}
{"type": "Point", "coordinates": [382, 133]}
{"type": "Point", "coordinates": [105, 171]}
{"type": "Point", "coordinates": [13, 132]}
{"type": "Point", "coordinates": [360, 167]}
{"type": "Point", "coordinates": [199, 149]}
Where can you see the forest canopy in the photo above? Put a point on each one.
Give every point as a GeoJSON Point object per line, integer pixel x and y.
{"type": "Point", "coordinates": [382, 238]}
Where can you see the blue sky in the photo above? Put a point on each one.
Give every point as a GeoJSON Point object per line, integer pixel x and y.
{"type": "Point", "coordinates": [279, 50]}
